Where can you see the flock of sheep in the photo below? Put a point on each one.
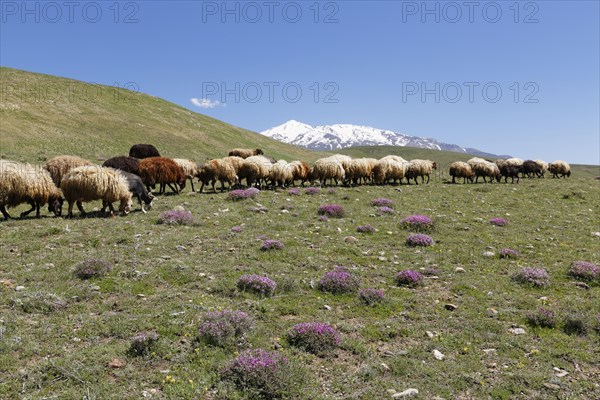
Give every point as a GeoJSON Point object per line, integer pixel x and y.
{"type": "Point", "coordinates": [121, 178]}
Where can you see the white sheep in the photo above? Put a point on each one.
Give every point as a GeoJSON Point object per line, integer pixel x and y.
{"type": "Point", "coordinates": [189, 167]}
{"type": "Point", "coordinates": [301, 170]}
{"type": "Point", "coordinates": [60, 165]}
{"type": "Point", "coordinates": [390, 168]}
{"type": "Point", "coordinates": [327, 168]}
{"type": "Point", "coordinates": [543, 165]}
{"type": "Point", "coordinates": [559, 167]}
{"type": "Point", "coordinates": [420, 168]}
{"type": "Point", "coordinates": [484, 169]}
{"type": "Point", "coordinates": [219, 169]}
{"type": "Point", "coordinates": [255, 169]}
{"type": "Point", "coordinates": [460, 169]}
{"type": "Point", "coordinates": [93, 182]}
{"type": "Point", "coordinates": [26, 183]}
{"type": "Point", "coordinates": [282, 173]}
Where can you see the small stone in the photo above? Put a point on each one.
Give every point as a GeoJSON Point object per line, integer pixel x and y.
{"type": "Point", "coordinates": [407, 393]}
{"type": "Point", "coordinates": [517, 331]}
{"type": "Point", "coordinates": [350, 239]}
{"type": "Point", "coordinates": [165, 257]}
{"type": "Point", "coordinates": [552, 386]}
{"type": "Point", "coordinates": [402, 352]}
{"type": "Point", "coordinates": [459, 269]}
{"type": "Point", "coordinates": [95, 288]}
{"type": "Point", "coordinates": [328, 308]}
{"type": "Point", "coordinates": [116, 363]}
{"type": "Point", "coordinates": [450, 307]}
{"type": "Point", "coordinates": [178, 208]}
{"type": "Point", "coordinates": [429, 334]}
{"type": "Point", "coordinates": [180, 248]}
{"type": "Point", "coordinates": [19, 288]}
{"type": "Point", "coordinates": [492, 312]}
{"type": "Point", "coordinates": [391, 391]}
{"type": "Point", "coordinates": [141, 296]}
{"type": "Point", "coordinates": [438, 355]}
{"type": "Point", "coordinates": [488, 254]}
{"type": "Point", "coordinates": [339, 229]}
{"type": "Point", "coordinates": [382, 258]}
{"type": "Point", "coordinates": [489, 351]}
{"type": "Point", "coordinates": [384, 366]}
{"type": "Point", "coordinates": [560, 372]}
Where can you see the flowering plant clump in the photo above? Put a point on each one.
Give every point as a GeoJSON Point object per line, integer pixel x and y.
{"type": "Point", "coordinates": [408, 277]}
{"type": "Point", "coordinates": [242, 194]}
{"type": "Point", "coordinates": [258, 284]}
{"type": "Point", "coordinates": [261, 371]}
{"type": "Point", "coordinates": [498, 221]}
{"type": "Point", "coordinates": [331, 210]}
{"type": "Point", "coordinates": [92, 268]}
{"type": "Point", "coordinates": [419, 239]}
{"type": "Point", "coordinates": [385, 210]}
{"type": "Point", "coordinates": [417, 222]}
{"type": "Point", "coordinates": [222, 327]}
{"type": "Point", "coordinates": [294, 192]}
{"type": "Point", "coordinates": [338, 281]}
{"type": "Point", "coordinates": [365, 229]}
{"type": "Point", "coordinates": [143, 343]}
{"type": "Point", "coordinates": [331, 191]}
{"type": "Point", "coordinates": [176, 217]}
{"type": "Point", "coordinates": [543, 318]}
{"type": "Point", "coordinates": [381, 202]}
{"type": "Point", "coordinates": [314, 337]}
{"type": "Point", "coordinates": [271, 244]}
{"type": "Point", "coordinates": [584, 270]}
{"type": "Point", "coordinates": [312, 190]}
{"type": "Point", "coordinates": [508, 253]}
{"type": "Point", "coordinates": [371, 296]}
{"type": "Point", "coordinates": [323, 218]}
{"type": "Point", "coordinates": [533, 276]}
{"type": "Point", "coordinates": [236, 229]}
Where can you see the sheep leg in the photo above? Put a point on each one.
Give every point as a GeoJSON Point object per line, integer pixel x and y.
{"type": "Point", "coordinates": [427, 178]}
{"type": "Point", "coordinates": [201, 187]}
{"type": "Point", "coordinates": [79, 206]}
{"type": "Point", "coordinates": [192, 182]}
{"type": "Point", "coordinates": [4, 213]}
{"type": "Point", "coordinates": [26, 213]}
{"type": "Point", "coordinates": [174, 189]}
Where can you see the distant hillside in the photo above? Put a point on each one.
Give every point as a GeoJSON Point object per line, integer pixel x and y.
{"type": "Point", "coordinates": [42, 116]}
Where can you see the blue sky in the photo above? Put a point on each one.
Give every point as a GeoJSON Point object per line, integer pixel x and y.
{"type": "Point", "coordinates": [431, 69]}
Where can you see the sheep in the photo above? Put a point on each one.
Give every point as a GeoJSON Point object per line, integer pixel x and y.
{"type": "Point", "coordinates": [300, 171]}
{"type": "Point", "coordinates": [517, 162]}
{"type": "Point", "coordinates": [235, 161]}
{"type": "Point", "coordinates": [142, 151]}
{"type": "Point", "coordinates": [254, 169]}
{"type": "Point", "coordinates": [327, 168]}
{"type": "Point", "coordinates": [509, 171]}
{"type": "Point", "coordinates": [422, 168]}
{"type": "Point", "coordinates": [245, 153]}
{"type": "Point", "coordinates": [92, 182]}
{"type": "Point", "coordinates": [484, 169]}
{"type": "Point", "coordinates": [282, 173]}
{"type": "Point", "coordinates": [531, 168]}
{"type": "Point", "coordinates": [559, 167]}
{"type": "Point", "coordinates": [342, 159]}
{"type": "Point", "coordinates": [25, 183]}
{"type": "Point", "coordinates": [138, 190]}
{"type": "Point", "coordinates": [190, 169]}
{"type": "Point", "coordinates": [219, 169]}
{"type": "Point", "coordinates": [359, 168]}
{"type": "Point", "coordinates": [499, 162]}
{"type": "Point", "coordinates": [59, 166]}
{"type": "Point", "coordinates": [460, 169]}
{"type": "Point", "coordinates": [543, 165]}
{"type": "Point", "coordinates": [390, 167]}
{"type": "Point", "coordinates": [163, 171]}
{"type": "Point", "coordinates": [124, 163]}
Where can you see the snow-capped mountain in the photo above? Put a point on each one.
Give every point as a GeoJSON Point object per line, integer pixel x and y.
{"type": "Point", "coordinates": [339, 136]}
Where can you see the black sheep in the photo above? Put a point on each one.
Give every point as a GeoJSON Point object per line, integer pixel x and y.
{"type": "Point", "coordinates": [138, 189]}
{"type": "Point", "coordinates": [509, 171]}
{"type": "Point", "coordinates": [143, 151]}
{"type": "Point", "coordinates": [124, 163]}
{"type": "Point", "coordinates": [531, 168]}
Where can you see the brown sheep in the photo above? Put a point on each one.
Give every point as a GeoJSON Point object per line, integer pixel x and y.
{"type": "Point", "coordinates": [245, 153]}
{"type": "Point", "coordinates": [163, 171]}
{"type": "Point", "coordinates": [124, 163]}
{"type": "Point", "coordinates": [460, 169]}
{"type": "Point", "coordinates": [220, 169]}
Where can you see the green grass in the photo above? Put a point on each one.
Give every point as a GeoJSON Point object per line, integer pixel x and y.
{"type": "Point", "coordinates": [65, 351]}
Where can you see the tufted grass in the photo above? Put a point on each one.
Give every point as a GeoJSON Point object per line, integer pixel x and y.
{"type": "Point", "coordinates": [64, 352]}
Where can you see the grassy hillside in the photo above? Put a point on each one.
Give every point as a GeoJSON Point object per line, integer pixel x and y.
{"type": "Point", "coordinates": [43, 116]}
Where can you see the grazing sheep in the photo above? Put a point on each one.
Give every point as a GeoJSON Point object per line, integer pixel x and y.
{"type": "Point", "coordinates": [282, 173]}
{"type": "Point", "coordinates": [219, 169]}
{"type": "Point", "coordinates": [509, 171]}
{"type": "Point", "coordinates": [420, 168]}
{"type": "Point", "coordinates": [59, 166]}
{"type": "Point", "coordinates": [390, 168]}
{"type": "Point", "coordinates": [531, 168]}
{"type": "Point", "coordinates": [245, 153]}
{"type": "Point", "coordinates": [342, 159]}
{"type": "Point", "coordinates": [142, 151]}
{"type": "Point", "coordinates": [255, 169]}
{"type": "Point", "coordinates": [138, 190]}
{"type": "Point", "coordinates": [124, 163]}
{"type": "Point", "coordinates": [25, 183]}
{"type": "Point", "coordinates": [190, 169]}
{"type": "Point", "coordinates": [559, 167]}
{"type": "Point", "coordinates": [236, 162]}
{"type": "Point", "coordinates": [484, 169]}
{"type": "Point", "coordinates": [460, 169]}
{"type": "Point", "coordinates": [93, 182]}
{"type": "Point", "coordinates": [359, 169]}
{"type": "Point", "coordinates": [163, 171]}
{"type": "Point", "coordinates": [516, 162]}
{"type": "Point", "coordinates": [543, 165]}
{"type": "Point", "coordinates": [499, 162]}
{"type": "Point", "coordinates": [327, 168]}
{"type": "Point", "coordinates": [300, 171]}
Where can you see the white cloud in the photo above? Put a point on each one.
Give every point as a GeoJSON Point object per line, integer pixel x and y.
{"type": "Point", "coordinates": [206, 103]}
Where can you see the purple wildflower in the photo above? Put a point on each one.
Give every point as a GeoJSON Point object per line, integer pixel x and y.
{"type": "Point", "coordinates": [419, 239]}
{"type": "Point", "coordinates": [261, 285]}
{"type": "Point", "coordinates": [331, 191]}
{"type": "Point", "coordinates": [498, 221]}
{"type": "Point", "coordinates": [417, 222]}
{"type": "Point", "coordinates": [331, 210]}
{"type": "Point", "coordinates": [365, 229]}
{"type": "Point", "coordinates": [236, 229]}
{"type": "Point", "coordinates": [323, 218]}
{"type": "Point", "coordinates": [543, 318]}
{"type": "Point", "coordinates": [381, 202]}
{"type": "Point", "coordinates": [176, 217]}
{"type": "Point", "coordinates": [408, 277]}
{"type": "Point", "coordinates": [271, 244]}
{"type": "Point", "coordinates": [584, 270]}
{"type": "Point", "coordinates": [338, 281]}
{"type": "Point", "coordinates": [242, 194]}
{"type": "Point", "coordinates": [294, 192]}
{"type": "Point", "coordinates": [312, 190]}
{"type": "Point", "coordinates": [222, 327]}
{"type": "Point", "coordinates": [508, 253]}
{"type": "Point", "coordinates": [385, 210]}
{"type": "Point", "coordinates": [533, 276]}
{"type": "Point", "coordinates": [92, 268]}
{"type": "Point", "coordinates": [314, 337]}
{"type": "Point", "coordinates": [142, 343]}
{"type": "Point", "coordinates": [371, 296]}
